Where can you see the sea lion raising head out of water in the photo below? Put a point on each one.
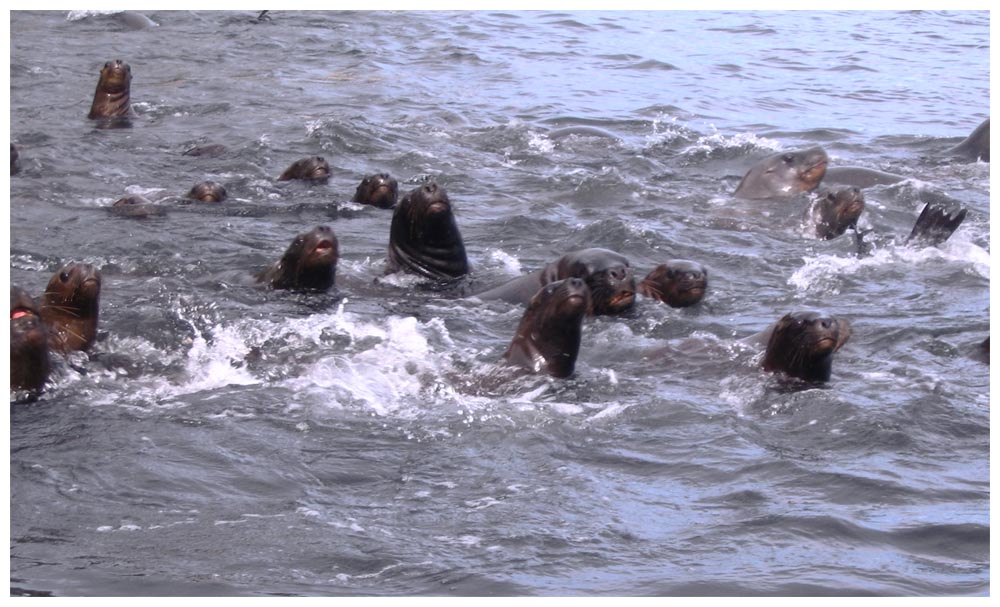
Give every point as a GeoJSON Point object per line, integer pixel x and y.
{"type": "Point", "coordinates": [424, 237]}
{"type": "Point", "coordinates": [784, 174]}
{"type": "Point", "coordinates": [29, 343]}
{"type": "Point", "coordinates": [548, 336]}
{"type": "Point", "coordinates": [607, 274]}
{"type": "Point", "coordinates": [802, 344]}
{"type": "Point", "coordinates": [313, 168]}
{"type": "Point", "coordinates": [112, 99]}
{"type": "Point", "coordinates": [835, 211]}
{"type": "Point", "coordinates": [678, 283]}
{"type": "Point", "coordinates": [207, 191]}
{"type": "Point", "coordinates": [70, 307]}
{"type": "Point", "coordinates": [379, 190]}
{"type": "Point", "coordinates": [309, 263]}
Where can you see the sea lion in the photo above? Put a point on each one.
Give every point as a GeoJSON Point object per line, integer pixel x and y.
{"type": "Point", "coordinates": [678, 283]}
{"type": "Point", "coordinates": [784, 174]}
{"type": "Point", "coordinates": [112, 99]}
{"type": "Point", "coordinates": [207, 191]}
{"type": "Point", "coordinates": [136, 206]}
{"type": "Point", "coordinates": [977, 145]}
{"type": "Point", "coordinates": [834, 211]}
{"type": "Point", "coordinates": [548, 336]}
{"type": "Point", "coordinates": [70, 307]}
{"type": "Point", "coordinates": [936, 224]}
{"type": "Point", "coordinates": [15, 165]}
{"type": "Point", "coordinates": [859, 177]}
{"type": "Point", "coordinates": [607, 274]}
{"type": "Point", "coordinates": [211, 150]}
{"type": "Point", "coordinates": [379, 190]}
{"type": "Point", "coordinates": [802, 344]}
{"type": "Point", "coordinates": [309, 263]}
{"type": "Point", "coordinates": [424, 238]}
{"type": "Point", "coordinates": [313, 168]}
{"type": "Point", "coordinates": [29, 343]}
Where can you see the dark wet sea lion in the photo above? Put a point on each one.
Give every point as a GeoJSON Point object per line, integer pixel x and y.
{"type": "Point", "coordinates": [313, 168]}
{"type": "Point", "coordinates": [15, 164]}
{"type": "Point", "coordinates": [784, 174]}
{"type": "Point", "coordinates": [833, 212]}
{"type": "Point", "coordinates": [936, 224]}
{"type": "Point", "coordinates": [70, 306]}
{"type": "Point", "coordinates": [678, 283]}
{"type": "Point", "coordinates": [136, 206]}
{"type": "Point", "coordinates": [379, 190]}
{"type": "Point", "coordinates": [29, 343]}
{"type": "Point", "coordinates": [112, 99]}
{"type": "Point", "coordinates": [424, 238]}
{"type": "Point", "coordinates": [207, 191]}
{"type": "Point", "coordinates": [977, 145]}
{"type": "Point", "coordinates": [548, 336]}
{"type": "Point", "coordinates": [802, 344]}
{"type": "Point", "coordinates": [309, 263]}
{"type": "Point", "coordinates": [607, 274]}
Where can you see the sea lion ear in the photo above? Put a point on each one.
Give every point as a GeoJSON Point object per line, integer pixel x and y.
{"type": "Point", "coordinates": [550, 273]}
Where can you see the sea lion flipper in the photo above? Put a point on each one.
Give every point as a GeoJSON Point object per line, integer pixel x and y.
{"type": "Point", "coordinates": [935, 224]}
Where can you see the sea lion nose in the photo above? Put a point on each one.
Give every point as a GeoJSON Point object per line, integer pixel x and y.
{"type": "Point", "coordinates": [430, 188]}
{"type": "Point", "coordinates": [826, 323]}
{"type": "Point", "coordinates": [576, 283]}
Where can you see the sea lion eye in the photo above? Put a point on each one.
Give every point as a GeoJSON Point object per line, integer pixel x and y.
{"type": "Point", "coordinates": [64, 276]}
{"type": "Point", "coordinates": [788, 158]}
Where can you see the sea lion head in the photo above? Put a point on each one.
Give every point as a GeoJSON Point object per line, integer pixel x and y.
{"type": "Point", "coordinates": [310, 262]}
{"type": "Point", "coordinates": [379, 190]}
{"type": "Point", "coordinates": [76, 285]}
{"type": "Point", "coordinates": [29, 342]}
{"type": "Point", "coordinates": [784, 174]}
{"type": "Point", "coordinates": [548, 336]}
{"type": "Point", "coordinates": [607, 274]}
{"type": "Point", "coordinates": [116, 77]}
{"type": "Point", "coordinates": [836, 211]}
{"type": "Point", "coordinates": [424, 237]}
{"type": "Point", "coordinates": [207, 191]}
{"type": "Point", "coordinates": [802, 344]}
{"type": "Point", "coordinates": [112, 99]}
{"type": "Point", "coordinates": [313, 168]}
{"type": "Point", "coordinates": [70, 306]}
{"type": "Point", "coordinates": [678, 283]}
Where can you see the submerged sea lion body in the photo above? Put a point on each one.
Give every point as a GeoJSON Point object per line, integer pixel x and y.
{"type": "Point", "coordinates": [859, 177]}
{"type": "Point", "coordinates": [678, 283]}
{"type": "Point", "coordinates": [309, 263]}
{"type": "Point", "coordinates": [136, 206]}
{"type": "Point", "coordinates": [548, 335]}
{"type": "Point", "coordinates": [313, 168]}
{"type": "Point", "coordinates": [424, 238]}
{"type": "Point", "coordinates": [784, 174]}
{"type": "Point", "coordinates": [29, 343]}
{"type": "Point", "coordinates": [977, 145]}
{"type": "Point", "coordinates": [112, 99]}
{"type": "Point", "coordinates": [606, 273]}
{"type": "Point", "coordinates": [70, 307]}
{"type": "Point", "coordinates": [379, 190]}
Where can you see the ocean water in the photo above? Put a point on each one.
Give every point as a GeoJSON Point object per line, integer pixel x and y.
{"type": "Point", "coordinates": [226, 439]}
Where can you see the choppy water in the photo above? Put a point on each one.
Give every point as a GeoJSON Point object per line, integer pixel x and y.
{"type": "Point", "coordinates": [225, 439]}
